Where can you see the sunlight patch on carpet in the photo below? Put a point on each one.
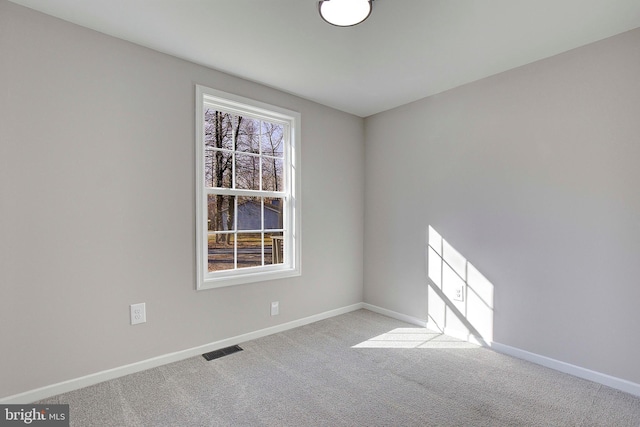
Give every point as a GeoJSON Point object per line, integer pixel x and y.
{"type": "Point", "coordinates": [414, 338]}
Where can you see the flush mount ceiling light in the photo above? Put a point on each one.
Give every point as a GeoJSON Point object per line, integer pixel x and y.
{"type": "Point", "coordinates": [345, 13]}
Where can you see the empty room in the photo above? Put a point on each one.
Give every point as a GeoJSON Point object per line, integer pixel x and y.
{"type": "Point", "coordinates": [319, 213]}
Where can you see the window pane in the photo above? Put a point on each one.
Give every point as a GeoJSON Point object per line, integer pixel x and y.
{"type": "Point", "coordinates": [273, 248]}
{"type": "Point", "coordinates": [247, 171]}
{"type": "Point", "coordinates": [218, 129]}
{"type": "Point", "coordinates": [220, 212]}
{"type": "Point", "coordinates": [272, 140]}
{"type": "Point", "coordinates": [249, 250]}
{"type": "Point", "coordinates": [217, 168]}
{"type": "Point", "coordinates": [220, 252]}
{"type": "Point", "coordinates": [272, 174]}
{"type": "Point", "coordinates": [249, 213]}
{"type": "Point", "coordinates": [273, 213]}
{"type": "Point", "coordinates": [248, 134]}
{"type": "Point", "coordinates": [208, 168]}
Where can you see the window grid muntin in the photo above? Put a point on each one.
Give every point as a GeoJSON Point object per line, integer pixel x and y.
{"type": "Point", "coordinates": [260, 193]}
{"type": "Point", "coordinates": [286, 157]}
{"type": "Point", "coordinates": [235, 230]}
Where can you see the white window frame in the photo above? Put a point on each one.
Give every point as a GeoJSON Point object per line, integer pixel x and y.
{"type": "Point", "coordinates": [290, 120]}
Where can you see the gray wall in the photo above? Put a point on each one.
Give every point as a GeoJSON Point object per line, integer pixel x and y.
{"type": "Point", "coordinates": [97, 206]}
{"type": "Point", "coordinates": [533, 176]}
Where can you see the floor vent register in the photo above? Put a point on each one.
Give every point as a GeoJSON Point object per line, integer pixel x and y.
{"type": "Point", "coordinates": [222, 352]}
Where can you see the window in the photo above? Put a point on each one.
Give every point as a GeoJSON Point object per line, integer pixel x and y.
{"type": "Point", "coordinates": [247, 190]}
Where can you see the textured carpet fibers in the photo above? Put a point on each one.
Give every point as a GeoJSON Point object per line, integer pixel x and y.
{"type": "Point", "coordinates": [358, 369]}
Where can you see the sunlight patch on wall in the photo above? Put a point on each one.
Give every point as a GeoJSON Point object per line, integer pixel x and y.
{"type": "Point", "coordinates": [413, 338]}
{"type": "Point", "coordinates": [460, 298]}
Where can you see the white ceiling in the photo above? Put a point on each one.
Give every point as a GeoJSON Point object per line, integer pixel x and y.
{"type": "Point", "coordinates": [406, 50]}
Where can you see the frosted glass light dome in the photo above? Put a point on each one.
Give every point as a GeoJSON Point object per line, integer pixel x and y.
{"type": "Point", "coordinates": [345, 13]}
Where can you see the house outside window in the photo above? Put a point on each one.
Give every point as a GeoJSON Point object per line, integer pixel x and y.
{"type": "Point", "coordinates": [247, 200]}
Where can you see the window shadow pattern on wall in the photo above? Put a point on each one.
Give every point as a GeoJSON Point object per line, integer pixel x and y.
{"type": "Point", "coordinates": [460, 298]}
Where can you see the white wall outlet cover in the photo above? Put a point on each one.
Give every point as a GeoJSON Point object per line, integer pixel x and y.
{"type": "Point", "coordinates": [275, 308]}
{"type": "Point", "coordinates": [138, 313]}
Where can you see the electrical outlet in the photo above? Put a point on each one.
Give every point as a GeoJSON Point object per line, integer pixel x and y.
{"type": "Point", "coordinates": [458, 294]}
{"type": "Point", "coordinates": [275, 308]}
{"type": "Point", "coordinates": [138, 313]}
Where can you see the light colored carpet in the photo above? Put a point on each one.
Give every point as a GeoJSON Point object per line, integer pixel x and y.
{"type": "Point", "coordinates": [358, 369]}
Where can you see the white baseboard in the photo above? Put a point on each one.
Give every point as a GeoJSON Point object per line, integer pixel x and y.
{"type": "Point", "coordinates": [76, 383]}
{"type": "Point", "coordinates": [395, 315]}
{"type": "Point", "coordinates": [98, 377]}
{"type": "Point", "coordinates": [567, 368]}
